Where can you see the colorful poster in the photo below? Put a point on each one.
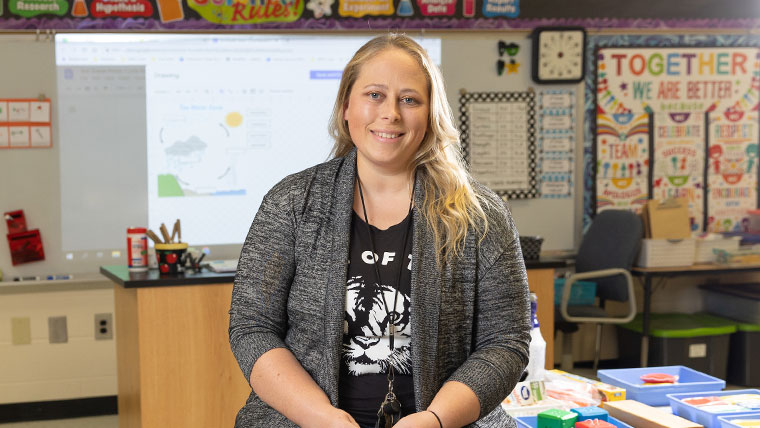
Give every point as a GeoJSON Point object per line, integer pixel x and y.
{"type": "Point", "coordinates": [25, 123]}
{"type": "Point", "coordinates": [676, 79]}
{"type": "Point", "coordinates": [732, 170]}
{"type": "Point", "coordinates": [494, 8]}
{"type": "Point", "coordinates": [556, 142]}
{"type": "Point", "coordinates": [246, 11]}
{"type": "Point", "coordinates": [622, 160]}
{"type": "Point", "coordinates": [118, 8]}
{"type": "Point", "coordinates": [360, 8]}
{"type": "Point", "coordinates": [433, 7]}
{"type": "Point", "coordinates": [678, 164]}
{"type": "Point", "coordinates": [325, 15]}
{"type": "Point", "coordinates": [30, 8]}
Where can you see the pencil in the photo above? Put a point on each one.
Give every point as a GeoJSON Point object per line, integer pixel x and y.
{"type": "Point", "coordinates": [152, 235]}
{"type": "Point", "coordinates": [179, 231]}
{"type": "Point", "coordinates": [174, 229]}
{"type": "Point", "coordinates": [165, 234]}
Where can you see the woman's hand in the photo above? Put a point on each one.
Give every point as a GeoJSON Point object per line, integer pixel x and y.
{"type": "Point", "coordinates": [423, 419]}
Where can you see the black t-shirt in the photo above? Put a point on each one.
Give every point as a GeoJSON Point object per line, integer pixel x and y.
{"type": "Point", "coordinates": [366, 355]}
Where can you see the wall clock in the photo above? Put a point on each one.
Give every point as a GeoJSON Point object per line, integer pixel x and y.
{"type": "Point", "coordinates": [558, 54]}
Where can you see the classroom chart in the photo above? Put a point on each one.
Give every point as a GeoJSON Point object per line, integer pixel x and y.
{"type": "Point", "coordinates": [498, 140]}
{"type": "Point", "coordinates": [556, 142]}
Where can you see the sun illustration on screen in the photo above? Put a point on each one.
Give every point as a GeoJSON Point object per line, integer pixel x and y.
{"type": "Point", "coordinates": [234, 119]}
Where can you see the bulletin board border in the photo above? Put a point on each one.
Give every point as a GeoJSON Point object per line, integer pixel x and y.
{"type": "Point", "coordinates": [370, 23]}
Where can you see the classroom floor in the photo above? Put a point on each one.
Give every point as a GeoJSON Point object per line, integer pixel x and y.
{"type": "Point", "coordinates": [112, 421]}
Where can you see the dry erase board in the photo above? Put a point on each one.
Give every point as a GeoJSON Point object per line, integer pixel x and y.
{"type": "Point", "coordinates": [33, 180]}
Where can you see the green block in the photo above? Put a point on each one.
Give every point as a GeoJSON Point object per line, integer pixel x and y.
{"type": "Point", "coordinates": [555, 418]}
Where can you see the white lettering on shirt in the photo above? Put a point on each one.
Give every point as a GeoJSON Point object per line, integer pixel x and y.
{"type": "Point", "coordinates": [388, 257]}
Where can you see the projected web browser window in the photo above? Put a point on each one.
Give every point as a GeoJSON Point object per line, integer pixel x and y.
{"type": "Point", "coordinates": [196, 127]}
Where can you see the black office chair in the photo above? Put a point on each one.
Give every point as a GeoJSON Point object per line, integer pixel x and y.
{"type": "Point", "coordinates": [606, 255]}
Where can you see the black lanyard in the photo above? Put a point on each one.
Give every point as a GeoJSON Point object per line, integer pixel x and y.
{"type": "Point", "coordinates": [391, 315]}
{"type": "Point", "coordinates": [390, 409]}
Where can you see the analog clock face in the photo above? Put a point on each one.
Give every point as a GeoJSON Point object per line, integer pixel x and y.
{"type": "Point", "coordinates": [560, 55]}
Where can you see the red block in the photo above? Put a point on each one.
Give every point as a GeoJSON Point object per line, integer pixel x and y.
{"type": "Point", "coordinates": [593, 423]}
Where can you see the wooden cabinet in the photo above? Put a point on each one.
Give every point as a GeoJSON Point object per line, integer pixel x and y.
{"type": "Point", "coordinates": [174, 361]}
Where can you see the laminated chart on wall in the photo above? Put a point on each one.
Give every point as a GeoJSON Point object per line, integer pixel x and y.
{"type": "Point", "coordinates": [25, 123]}
{"type": "Point", "coordinates": [622, 160]}
{"type": "Point", "coordinates": [556, 142]}
{"type": "Point", "coordinates": [499, 141]}
{"type": "Point", "coordinates": [678, 161]}
{"type": "Point", "coordinates": [677, 86]}
{"type": "Point", "coordinates": [732, 169]}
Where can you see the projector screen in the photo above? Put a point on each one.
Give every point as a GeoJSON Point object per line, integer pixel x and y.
{"type": "Point", "coordinates": [158, 127]}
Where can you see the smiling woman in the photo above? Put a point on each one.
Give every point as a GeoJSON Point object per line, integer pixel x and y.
{"type": "Point", "coordinates": [385, 287]}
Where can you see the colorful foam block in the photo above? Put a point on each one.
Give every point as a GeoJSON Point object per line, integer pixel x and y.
{"type": "Point", "coordinates": [591, 412]}
{"type": "Point", "coordinates": [555, 418]}
{"type": "Point", "coordinates": [594, 423]}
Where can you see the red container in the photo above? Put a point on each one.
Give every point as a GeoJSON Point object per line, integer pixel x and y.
{"type": "Point", "coordinates": [137, 249]}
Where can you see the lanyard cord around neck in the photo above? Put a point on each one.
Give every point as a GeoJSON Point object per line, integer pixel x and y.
{"type": "Point", "coordinates": [391, 315]}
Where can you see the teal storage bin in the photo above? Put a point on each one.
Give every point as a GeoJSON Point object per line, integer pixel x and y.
{"type": "Point", "coordinates": [582, 293]}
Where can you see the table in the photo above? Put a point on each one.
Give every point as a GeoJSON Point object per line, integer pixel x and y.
{"type": "Point", "coordinates": [669, 272]}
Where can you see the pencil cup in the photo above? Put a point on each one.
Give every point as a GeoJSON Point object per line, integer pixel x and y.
{"type": "Point", "coordinates": [170, 257]}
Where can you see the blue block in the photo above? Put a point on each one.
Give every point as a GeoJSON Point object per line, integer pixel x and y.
{"type": "Point", "coordinates": [591, 412]}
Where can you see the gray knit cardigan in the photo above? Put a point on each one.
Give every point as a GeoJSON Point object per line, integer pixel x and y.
{"type": "Point", "coordinates": [470, 320]}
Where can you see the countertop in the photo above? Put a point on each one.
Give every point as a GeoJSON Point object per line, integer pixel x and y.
{"type": "Point", "coordinates": [152, 278]}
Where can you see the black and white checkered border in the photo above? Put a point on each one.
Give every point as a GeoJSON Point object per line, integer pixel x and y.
{"type": "Point", "coordinates": [499, 97]}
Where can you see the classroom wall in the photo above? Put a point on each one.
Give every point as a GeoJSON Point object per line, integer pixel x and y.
{"type": "Point", "coordinates": [42, 371]}
{"type": "Point", "coordinates": [84, 367]}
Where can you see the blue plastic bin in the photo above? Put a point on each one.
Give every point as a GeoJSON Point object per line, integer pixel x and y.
{"type": "Point", "coordinates": [707, 419]}
{"type": "Point", "coordinates": [532, 422]}
{"type": "Point", "coordinates": [689, 380]}
{"type": "Point", "coordinates": [727, 421]}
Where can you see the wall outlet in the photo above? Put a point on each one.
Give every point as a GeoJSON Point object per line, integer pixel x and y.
{"type": "Point", "coordinates": [21, 331]}
{"type": "Point", "coordinates": [103, 326]}
{"type": "Point", "coordinates": [57, 330]}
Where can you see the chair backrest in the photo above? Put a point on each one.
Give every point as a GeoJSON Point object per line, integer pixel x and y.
{"type": "Point", "coordinates": [612, 241]}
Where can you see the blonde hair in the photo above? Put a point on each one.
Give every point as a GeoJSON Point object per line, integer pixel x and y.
{"type": "Point", "coordinates": [450, 204]}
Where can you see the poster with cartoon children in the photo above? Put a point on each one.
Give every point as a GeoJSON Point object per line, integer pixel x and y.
{"type": "Point", "coordinates": [732, 170]}
{"type": "Point", "coordinates": [622, 160]}
{"type": "Point", "coordinates": [714, 165]}
{"type": "Point", "coordinates": [678, 162]}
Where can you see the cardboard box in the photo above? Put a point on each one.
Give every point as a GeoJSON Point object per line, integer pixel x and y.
{"type": "Point", "coordinates": [640, 415]}
{"type": "Point", "coordinates": [668, 219]}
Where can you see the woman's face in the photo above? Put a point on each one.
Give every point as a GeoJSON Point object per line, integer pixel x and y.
{"type": "Point", "coordinates": [387, 110]}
